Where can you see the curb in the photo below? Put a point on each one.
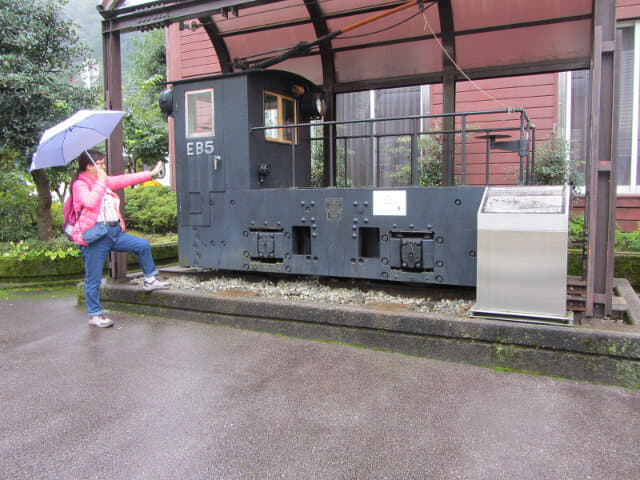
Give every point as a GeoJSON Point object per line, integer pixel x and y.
{"type": "Point", "coordinates": [598, 352]}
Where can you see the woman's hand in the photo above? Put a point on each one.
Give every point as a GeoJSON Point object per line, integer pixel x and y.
{"type": "Point", "coordinates": [157, 169]}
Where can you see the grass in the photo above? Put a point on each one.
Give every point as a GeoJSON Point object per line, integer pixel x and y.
{"type": "Point", "coordinates": [155, 237]}
{"type": "Point", "coordinates": [37, 292]}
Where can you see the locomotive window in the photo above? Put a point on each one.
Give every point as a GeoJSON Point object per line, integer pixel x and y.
{"type": "Point", "coordinates": [270, 115]}
{"type": "Point", "coordinates": [279, 110]}
{"type": "Point", "coordinates": [288, 117]}
{"type": "Point", "coordinates": [199, 114]}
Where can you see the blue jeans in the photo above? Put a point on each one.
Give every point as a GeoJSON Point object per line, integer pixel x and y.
{"type": "Point", "coordinates": [95, 255]}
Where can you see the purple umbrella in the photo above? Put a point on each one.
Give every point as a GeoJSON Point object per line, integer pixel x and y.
{"type": "Point", "coordinates": [65, 141]}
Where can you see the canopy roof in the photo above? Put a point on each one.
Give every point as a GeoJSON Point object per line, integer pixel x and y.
{"type": "Point", "coordinates": [487, 38]}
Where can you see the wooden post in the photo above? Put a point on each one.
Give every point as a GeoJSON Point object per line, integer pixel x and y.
{"type": "Point", "coordinates": [113, 101]}
{"type": "Point", "coordinates": [449, 76]}
{"type": "Point", "coordinates": [600, 198]}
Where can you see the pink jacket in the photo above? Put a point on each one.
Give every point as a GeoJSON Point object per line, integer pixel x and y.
{"type": "Point", "coordinates": [88, 193]}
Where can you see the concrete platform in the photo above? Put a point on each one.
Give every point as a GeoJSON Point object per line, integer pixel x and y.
{"type": "Point", "coordinates": [597, 351]}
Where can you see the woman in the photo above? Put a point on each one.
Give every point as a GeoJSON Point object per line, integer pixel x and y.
{"type": "Point", "coordinates": [100, 227]}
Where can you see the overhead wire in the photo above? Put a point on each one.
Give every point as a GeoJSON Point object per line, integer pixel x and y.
{"type": "Point", "coordinates": [411, 17]}
{"type": "Point", "coordinates": [462, 72]}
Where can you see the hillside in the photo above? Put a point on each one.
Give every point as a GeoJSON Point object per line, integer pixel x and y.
{"type": "Point", "coordinates": [85, 15]}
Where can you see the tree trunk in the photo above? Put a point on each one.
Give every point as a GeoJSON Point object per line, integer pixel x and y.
{"type": "Point", "coordinates": [44, 204]}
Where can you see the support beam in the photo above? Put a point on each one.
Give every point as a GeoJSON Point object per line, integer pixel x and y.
{"type": "Point", "coordinates": [329, 144]}
{"type": "Point", "coordinates": [162, 14]}
{"type": "Point", "coordinates": [113, 101]}
{"type": "Point", "coordinates": [600, 183]}
{"type": "Point", "coordinates": [449, 74]}
{"type": "Point", "coordinates": [328, 85]}
{"type": "Point", "coordinates": [219, 45]}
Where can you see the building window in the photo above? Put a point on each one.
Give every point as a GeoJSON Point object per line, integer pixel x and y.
{"type": "Point", "coordinates": [279, 110]}
{"type": "Point", "coordinates": [574, 111]}
{"type": "Point", "coordinates": [199, 113]}
{"type": "Point", "coordinates": [378, 153]}
{"type": "Point", "coordinates": [573, 115]}
{"type": "Point", "coordinates": [628, 177]}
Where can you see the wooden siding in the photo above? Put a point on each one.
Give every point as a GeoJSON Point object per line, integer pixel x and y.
{"type": "Point", "coordinates": [628, 9]}
{"type": "Point", "coordinates": [190, 54]}
{"type": "Point", "coordinates": [627, 211]}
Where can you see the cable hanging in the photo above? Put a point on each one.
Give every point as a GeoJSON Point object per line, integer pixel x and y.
{"type": "Point", "coordinates": [462, 72]}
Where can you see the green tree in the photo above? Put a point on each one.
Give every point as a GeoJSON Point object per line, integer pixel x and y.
{"type": "Point", "coordinates": [552, 166]}
{"type": "Point", "coordinates": [146, 134]}
{"type": "Point", "coordinates": [39, 54]}
{"type": "Point", "coordinates": [17, 206]}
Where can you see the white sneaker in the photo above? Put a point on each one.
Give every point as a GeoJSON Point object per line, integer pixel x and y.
{"type": "Point", "coordinates": [100, 321]}
{"type": "Point", "coordinates": [155, 284]}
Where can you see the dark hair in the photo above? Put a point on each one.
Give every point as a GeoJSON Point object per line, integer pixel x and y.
{"type": "Point", "coordinates": [83, 161]}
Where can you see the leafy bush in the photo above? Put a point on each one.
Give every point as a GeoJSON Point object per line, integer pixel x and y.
{"type": "Point", "coordinates": [151, 208]}
{"type": "Point", "coordinates": [576, 231]}
{"type": "Point", "coordinates": [56, 219]}
{"type": "Point", "coordinates": [317, 161]}
{"type": "Point", "coordinates": [552, 166]}
{"type": "Point", "coordinates": [17, 208]}
{"type": "Point", "coordinates": [33, 248]}
{"type": "Point", "coordinates": [628, 241]}
{"type": "Point", "coordinates": [624, 241]}
{"type": "Point", "coordinates": [429, 161]}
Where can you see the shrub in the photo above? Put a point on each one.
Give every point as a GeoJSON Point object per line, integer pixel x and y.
{"type": "Point", "coordinates": [17, 208]}
{"type": "Point", "coordinates": [624, 241]}
{"type": "Point", "coordinates": [552, 167]}
{"type": "Point", "coordinates": [56, 219]}
{"type": "Point", "coordinates": [628, 241]}
{"type": "Point", "coordinates": [576, 231]}
{"type": "Point", "coordinates": [317, 161]}
{"type": "Point", "coordinates": [34, 248]}
{"type": "Point", "coordinates": [429, 161]}
{"type": "Point", "coordinates": [151, 208]}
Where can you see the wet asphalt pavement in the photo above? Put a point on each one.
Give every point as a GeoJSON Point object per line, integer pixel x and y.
{"type": "Point", "coordinates": [155, 398]}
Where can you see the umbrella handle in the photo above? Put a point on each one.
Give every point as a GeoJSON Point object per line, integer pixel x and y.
{"type": "Point", "coordinates": [90, 158]}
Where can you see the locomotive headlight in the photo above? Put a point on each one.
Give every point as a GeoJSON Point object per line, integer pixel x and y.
{"type": "Point", "coordinates": [320, 106]}
{"type": "Point", "coordinates": [312, 106]}
{"type": "Point", "coordinates": [165, 100]}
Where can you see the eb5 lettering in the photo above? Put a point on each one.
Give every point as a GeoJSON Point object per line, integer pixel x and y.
{"type": "Point", "coordinates": [199, 147]}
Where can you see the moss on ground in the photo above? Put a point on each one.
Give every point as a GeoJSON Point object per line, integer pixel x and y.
{"type": "Point", "coordinates": [37, 293]}
{"type": "Point", "coordinates": [628, 373]}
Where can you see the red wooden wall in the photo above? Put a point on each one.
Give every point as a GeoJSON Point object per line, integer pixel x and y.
{"type": "Point", "coordinates": [627, 9]}
{"type": "Point", "coordinates": [537, 94]}
{"type": "Point", "coordinates": [189, 54]}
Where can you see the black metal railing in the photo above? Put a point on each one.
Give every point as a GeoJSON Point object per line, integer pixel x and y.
{"type": "Point", "coordinates": [524, 146]}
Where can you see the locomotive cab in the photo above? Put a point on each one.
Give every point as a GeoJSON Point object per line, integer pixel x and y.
{"type": "Point", "coordinates": [213, 120]}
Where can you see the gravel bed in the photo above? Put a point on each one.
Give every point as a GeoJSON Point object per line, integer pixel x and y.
{"type": "Point", "coordinates": [313, 291]}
